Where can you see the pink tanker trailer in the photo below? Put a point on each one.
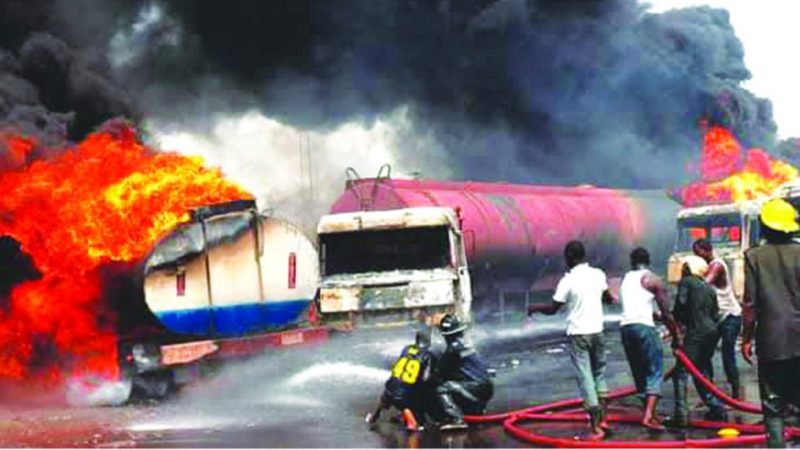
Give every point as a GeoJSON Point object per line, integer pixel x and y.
{"type": "Point", "coordinates": [392, 247]}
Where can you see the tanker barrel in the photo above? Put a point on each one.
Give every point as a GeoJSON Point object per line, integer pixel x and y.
{"type": "Point", "coordinates": [515, 234]}
{"type": "Point", "coordinates": [219, 283]}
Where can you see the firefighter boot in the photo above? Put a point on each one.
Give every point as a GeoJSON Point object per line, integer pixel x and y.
{"type": "Point", "coordinates": [774, 428]}
{"type": "Point", "coordinates": [455, 418]}
{"type": "Point", "coordinates": [649, 417]}
{"type": "Point", "coordinates": [372, 417]}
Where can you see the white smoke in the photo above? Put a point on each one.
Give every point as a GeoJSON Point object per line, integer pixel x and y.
{"type": "Point", "coordinates": [151, 28]}
{"type": "Point", "coordinates": [97, 391]}
{"type": "Point", "coordinates": [298, 173]}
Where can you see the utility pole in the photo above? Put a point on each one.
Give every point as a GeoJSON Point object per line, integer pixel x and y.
{"type": "Point", "coordinates": [306, 166]}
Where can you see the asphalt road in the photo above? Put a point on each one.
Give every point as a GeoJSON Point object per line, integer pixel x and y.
{"type": "Point", "coordinates": [318, 398]}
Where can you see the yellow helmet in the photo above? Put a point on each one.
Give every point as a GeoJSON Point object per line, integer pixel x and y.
{"type": "Point", "coordinates": [779, 215]}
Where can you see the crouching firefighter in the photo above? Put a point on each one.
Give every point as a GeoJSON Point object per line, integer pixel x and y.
{"type": "Point", "coordinates": [407, 388]}
{"type": "Point", "coordinates": [462, 379]}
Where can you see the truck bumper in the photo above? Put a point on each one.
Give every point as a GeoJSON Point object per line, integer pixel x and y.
{"type": "Point", "coordinates": [183, 357]}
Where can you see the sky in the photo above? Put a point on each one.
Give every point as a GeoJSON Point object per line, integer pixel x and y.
{"type": "Point", "coordinates": [767, 29]}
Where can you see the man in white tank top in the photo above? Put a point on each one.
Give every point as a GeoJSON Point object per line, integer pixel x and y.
{"type": "Point", "coordinates": [644, 296]}
{"type": "Point", "coordinates": [719, 278]}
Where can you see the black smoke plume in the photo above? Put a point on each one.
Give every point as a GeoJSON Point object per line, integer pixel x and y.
{"type": "Point", "coordinates": [558, 91]}
{"type": "Point", "coordinates": [529, 91]}
{"type": "Point", "coordinates": [51, 89]}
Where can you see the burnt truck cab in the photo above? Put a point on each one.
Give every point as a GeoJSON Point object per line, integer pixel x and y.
{"type": "Point", "coordinates": [731, 228]}
{"type": "Point", "coordinates": [382, 268]}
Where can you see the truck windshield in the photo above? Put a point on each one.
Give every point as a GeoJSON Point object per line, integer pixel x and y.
{"type": "Point", "coordinates": [720, 230]}
{"type": "Point", "coordinates": [385, 250]}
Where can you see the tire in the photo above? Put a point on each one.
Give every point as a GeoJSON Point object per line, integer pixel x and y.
{"type": "Point", "coordinates": [154, 385]}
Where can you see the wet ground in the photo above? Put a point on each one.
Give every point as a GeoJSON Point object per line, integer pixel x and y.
{"type": "Point", "coordinates": [318, 398]}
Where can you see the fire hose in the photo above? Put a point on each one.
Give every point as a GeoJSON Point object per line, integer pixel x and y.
{"type": "Point", "coordinates": [554, 411]}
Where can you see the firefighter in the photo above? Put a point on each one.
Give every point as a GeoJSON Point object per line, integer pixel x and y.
{"type": "Point", "coordinates": [407, 388]}
{"type": "Point", "coordinates": [462, 379]}
{"type": "Point", "coordinates": [771, 311]}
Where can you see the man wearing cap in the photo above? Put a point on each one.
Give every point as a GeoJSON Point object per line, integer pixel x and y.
{"type": "Point", "coordinates": [462, 379]}
{"type": "Point", "coordinates": [772, 314]}
{"type": "Point", "coordinates": [697, 311]}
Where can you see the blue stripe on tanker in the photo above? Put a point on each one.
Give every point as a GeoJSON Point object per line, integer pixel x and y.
{"type": "Point", "coordinates": [235, 319]}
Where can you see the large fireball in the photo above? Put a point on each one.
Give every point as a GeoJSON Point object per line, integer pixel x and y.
{"type": "Point", "coordinates": [107, 200]}
{"type": "Point", "coordinates": [730, 174]}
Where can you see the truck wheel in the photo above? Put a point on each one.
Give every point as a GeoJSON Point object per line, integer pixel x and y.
{"type": "Point", "coordinates": [154, 385]}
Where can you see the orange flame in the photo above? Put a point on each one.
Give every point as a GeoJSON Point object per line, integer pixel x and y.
{"type": "Point", "coordinates": [17, 150]}
{"type": "Point", "coordinates": [108, 200]}
{"type": "Point", "coordinates": [728, 174]}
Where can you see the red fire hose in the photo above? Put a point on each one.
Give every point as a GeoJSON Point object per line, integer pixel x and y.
{"type": "Point", "coordinates": [751, 434]}
{"type": "Point", "coordinates": [714, 389]}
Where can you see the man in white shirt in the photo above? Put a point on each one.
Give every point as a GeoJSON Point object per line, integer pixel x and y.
{"type": "Point", "coordinates": [584, 289]}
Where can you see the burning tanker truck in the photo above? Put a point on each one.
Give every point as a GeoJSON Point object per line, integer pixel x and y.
{"type": "Point", "coordinates": [229, 283]}
{"type": "Point", "coordinates": [145, 268]}
{"type": "Point", "coordinates": [391, 248]}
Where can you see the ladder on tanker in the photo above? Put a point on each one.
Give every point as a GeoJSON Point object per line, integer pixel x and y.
{"type": "Point", "coordinates": [366, 202]}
